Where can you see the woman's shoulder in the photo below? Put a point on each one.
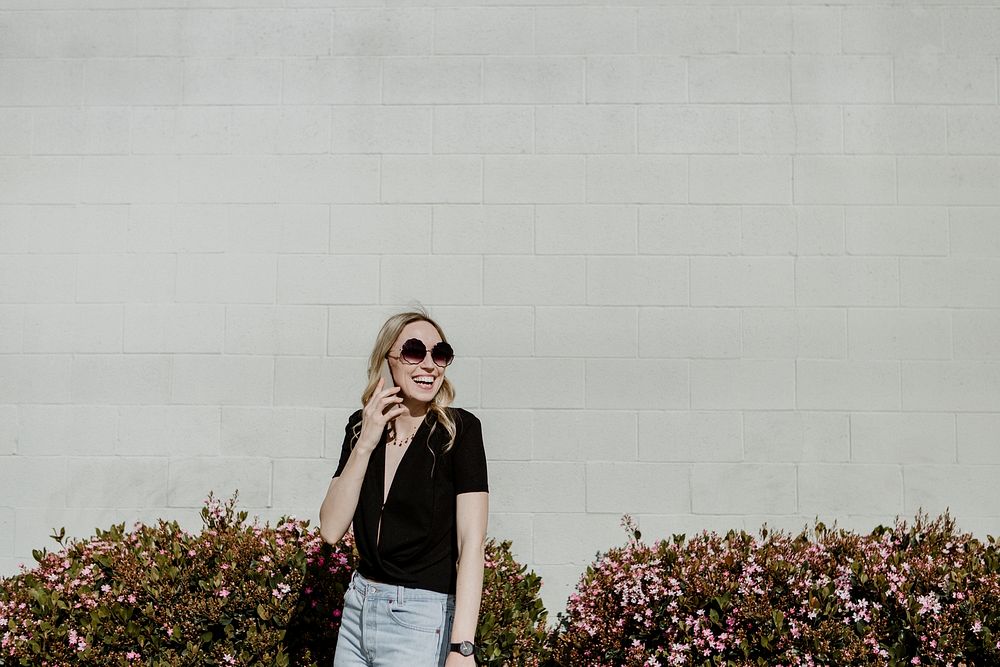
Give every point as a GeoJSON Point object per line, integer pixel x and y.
{"type": "Point", "coordinates": [463, 417]}
{"type": "Point", "coordinates": [354, 418]}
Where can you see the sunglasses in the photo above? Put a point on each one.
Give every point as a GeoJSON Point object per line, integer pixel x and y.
{"type": "Point", "coordinates": [414, 351]}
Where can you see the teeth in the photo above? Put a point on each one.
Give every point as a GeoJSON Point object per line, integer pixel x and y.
{"type": "Point", "coordinates": [424, 380]}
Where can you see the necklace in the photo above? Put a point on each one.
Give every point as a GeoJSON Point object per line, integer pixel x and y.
{"type": "Point", "coordinates": [405, 441]}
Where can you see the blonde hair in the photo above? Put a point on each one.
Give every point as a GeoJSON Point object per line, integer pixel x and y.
{"type": "Point", "coordinates": [387, 335]}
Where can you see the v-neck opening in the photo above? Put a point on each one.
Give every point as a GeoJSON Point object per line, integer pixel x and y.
{"type": "Point", "coordinates": [386, 493]}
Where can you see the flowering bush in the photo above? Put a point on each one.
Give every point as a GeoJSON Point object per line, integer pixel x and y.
{"type": "Point", "coordinates": [907, 595]}
{"type": "Point", "coordinates": [235, 594]}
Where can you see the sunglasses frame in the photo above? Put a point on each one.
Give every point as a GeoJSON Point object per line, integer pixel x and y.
{"type": "Point", "coordinates": [426, 352]}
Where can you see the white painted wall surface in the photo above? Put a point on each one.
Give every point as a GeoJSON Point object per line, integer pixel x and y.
{"type": "Point", "coordinates": [711, 265]}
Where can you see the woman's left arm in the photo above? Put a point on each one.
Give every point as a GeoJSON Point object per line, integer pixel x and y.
{"type": "Point", "coordinates": [471, 512]}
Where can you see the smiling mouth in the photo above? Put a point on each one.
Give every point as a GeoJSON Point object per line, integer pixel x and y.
{"type": "Point", "coordinates": [425, 382]}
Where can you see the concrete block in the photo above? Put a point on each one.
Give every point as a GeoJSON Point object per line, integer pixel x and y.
{"type": "Point", "coordinates": [786, 333]}
{"type": "Point", "coordinates": [558, 583]}
{"type": "Point", "coordinates": [638, 281]}
{"type": "Point", "coordinates": [586, 30]}
{"type": "Point", "coordinates": [34, 481]}
{"type": "Point", "coordinates": [847, 281]}
{"type": "Point", "coordinates": [286, 228]}
{"type": "Point", "coordinates": [898, 437]}
{"type": "Point", "coordinates": [742, 281]}
{"type": "Point", "coordinates": [334, 280]}
{"type": "Point", "coordinates": [27, 179]}
{"type": "Point", "coordinates": [821, 179]}
{"type": "Point", "coordinates": [643, 179]}
{"type": "Point", "coordinates": [466, 377]}
{"type": "Point", "coordinates": [284, 32]}
{"type": "Point", "coordinates": [367, 129]}
{"type": "Point", "coordinates": [116, 482]}
{"type": "Point", "coordinates": [688, 30]}
{"type": "Point", "coordinates": [973, 130]}
{"type": "Point", "coordinates": [173, 130]}
{"type": "Point", "coordinates": [895, 130]}
{"type": "Point", "coordinates": [226, 278]}
{"type": "Point", "coordinates": [19, 35]}
{"type": "Point", "coordinates": [15, 130]}
{"type": "Point", "coordinates": [577, 331]}
{"type": "Point", "coordinates": [483, 30]}
{"type": "Point", "coordinates": [962, 490]}
{"type": "Point", "coordinates": [72, 328]}
{"type": "Point", "coordinates": [970, 30]}
{"type": "Point", "coordinates": [44, 229]}
{"type": "Point", "coordinates": [945, 79]}
{"type": "Point", "coordinates": [33, 527]}
{"type": "Point", "coordinates": [768, 230]}
{"type": "Point", "coordinates": [135, 81]}
{"type": "Point", "coordinates": [191, 479]}
{"type": "Point", "coordinates": [330, 382]}
{"type": "Point", "coordinates": [528, 486]}
{"type": "Point", "coordinates": [586, 129]}
{"type": "Point", "coordinates": [739, 78]}
{"type": "Point", "coordinates": [765, 30]}
{"type": "Point", "coordinates": [817, 29]}
{"type": "Point", "coordinates": [586, 229]}
{"type": "Point", "coordinates": [484, 331]}
{"type": "Point", "coordinates": [60, 430]}
{"type": "Point", "coordinates": [9, 430]}
{"type": "Point", "coordinates": [961, 282]}
{"type": "Point", "coordinates": [739, 488]}
{"type": "Point", "coordinates": [959, 386]}
{"type": "Point", "coordinates": [876, 333]}
{"type": "Point", "coordinates": [125, 380]}
{"type": "Point", "coordinates": [513, 526]}
{"type": "Point", "coordinates": [276, 330]}
{"type": "Point", "coordinates": [742, 384]}
{"type": "Point", "coordinates": [300, 482]}
{"type": "Point", "coordinates": [508, 434]}
{"type": "Point", "coordinates": [970, 181]}
{"type": "Point", "coordinates": [848, 385]}
{"type": "Point", "coordinates": [573, 538]}
{"type": "Point", "coordinates": [647, 384]}
{"type": "Point", "coordinates": [88, 130]}
{"type": "Point", "coordinates": [171, 328]}
{"type": "Point", "coordinates": [850, 488]}
{"type": "Point", "coordinates": [802, 128]}
{"type": "Point", "coordinates": [185, 32]}
{"type": "Point", "coordinates": [300, 129]}
{"type": "Point", "coordinates": [689, 230]}
{"type": "Point", "coordinates": [978, 438]}
{"type": "Point", "coordinates": [688, 129]}
{"type": "Point", "coordinates": [41, 82]}
{"type": "Point", "coordinates": [636, 79]}
{"type": "Point", "coordinates": [380, 229]}
{"type": "Point", "coordinates": [353, 329]}
{"type": "Point", "coordinates": [332, 80]}
{"type": "Point", "coordinates": [690, 436]}
{"type": "Point", "coordinates": [452, 280]}
{"type": "Point", "coordinates": [433, 80]}
{"type": "Point", "coordinates": [638, 487]}
{"type": "Point", "coordinates": [535, 179]}
{"type": "Point", "coordinates": [390, 31]}
{"type": "Point", "coordinates": [198, 228]}
{"type": "Point", "coordinates": [893, 30]}
{"type": "Point", "coordinates": [11, 328]}
{"type": "Point", "coordinates": [37, 279]}
{"type": "Point", "coordinates": [483, 129]}
{"type": "Point", "coordinates": [534, 280]}
{"type": "Point", "coordinates": [897, 230]}
{"type": "Point", "coordinates": [976, 334]}
{"type": "Point", "coordinates": [532, 80]}
{"type": "Point", "coordinates": [689, 332]}
{"type": "Point", "coordinates": [590, 435]}
{"type": "Point", "coordinates": [168, 430]}
{"type": "Point", "coordinates": [7, 536]}
{"type": "Point", "coordinates": [35, 378]}
{"type": "Point", "coordinates": [741, 179]}
{"type": "Point", "coordinates": [130, 179]}
{"type": "Point", "coordinates": [482, 229]}
{"type": "Point", "coordinates": [432, 179]}
{"type": "Point", "coordinates": [534, 383]}
{"type": "Point", "coordinates": [796, 436]}
{"type": "Point", "coordinates": [227, 380]}
{"type": "Point", "coordinates": [842, 79]}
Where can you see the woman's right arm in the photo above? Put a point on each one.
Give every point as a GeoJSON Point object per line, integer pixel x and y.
{"type": "Point", "coordinates": [337, 510]}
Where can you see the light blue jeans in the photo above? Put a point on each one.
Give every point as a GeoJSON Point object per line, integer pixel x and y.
{"type": "Point", "coordinates": [385, 625]}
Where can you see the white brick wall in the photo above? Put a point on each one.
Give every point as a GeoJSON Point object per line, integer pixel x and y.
{"type": "Point", "coordinates": [708, 265]}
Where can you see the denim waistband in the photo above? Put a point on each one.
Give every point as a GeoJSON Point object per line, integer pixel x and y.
{"type": "Point", "coordinates": [376, 589]}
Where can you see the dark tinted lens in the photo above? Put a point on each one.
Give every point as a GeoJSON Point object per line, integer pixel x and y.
{"type": "Point", "coordinates": [442, 354]}
{"type": "Point", "coordinates": [413, 351]}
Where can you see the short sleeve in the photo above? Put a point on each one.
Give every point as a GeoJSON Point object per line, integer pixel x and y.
{"type": "Point", "coordinates": [470, 456]}
{"type": "Point", "coordinates": [345, 450]}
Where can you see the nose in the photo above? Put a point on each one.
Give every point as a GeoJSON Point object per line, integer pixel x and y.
{"type": "Point", "coordinates": [427, 363]}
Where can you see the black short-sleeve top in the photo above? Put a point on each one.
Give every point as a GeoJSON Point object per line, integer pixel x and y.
{"type": "Point", "coordinates": [418, 546]}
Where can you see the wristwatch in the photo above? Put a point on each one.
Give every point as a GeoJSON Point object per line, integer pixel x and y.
{"type": "Point", "coordinates": [465, 648]}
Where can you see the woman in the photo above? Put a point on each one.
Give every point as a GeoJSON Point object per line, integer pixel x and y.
{"type": "Point", "coordinates": [412, 478]}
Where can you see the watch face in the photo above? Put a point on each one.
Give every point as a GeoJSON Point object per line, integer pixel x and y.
{"type": "Point", "coordinates": [466, 648]}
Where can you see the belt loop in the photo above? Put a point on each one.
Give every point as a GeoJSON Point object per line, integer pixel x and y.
{"type": "Point", "coordinates": [399, 594]}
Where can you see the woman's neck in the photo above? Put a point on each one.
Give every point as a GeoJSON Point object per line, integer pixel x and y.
{"type": "Point", "coordinates": [414, 409]}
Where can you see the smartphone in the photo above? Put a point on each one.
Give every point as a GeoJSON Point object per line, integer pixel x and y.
{"type": "Point", "coordinates": [387, 382]}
